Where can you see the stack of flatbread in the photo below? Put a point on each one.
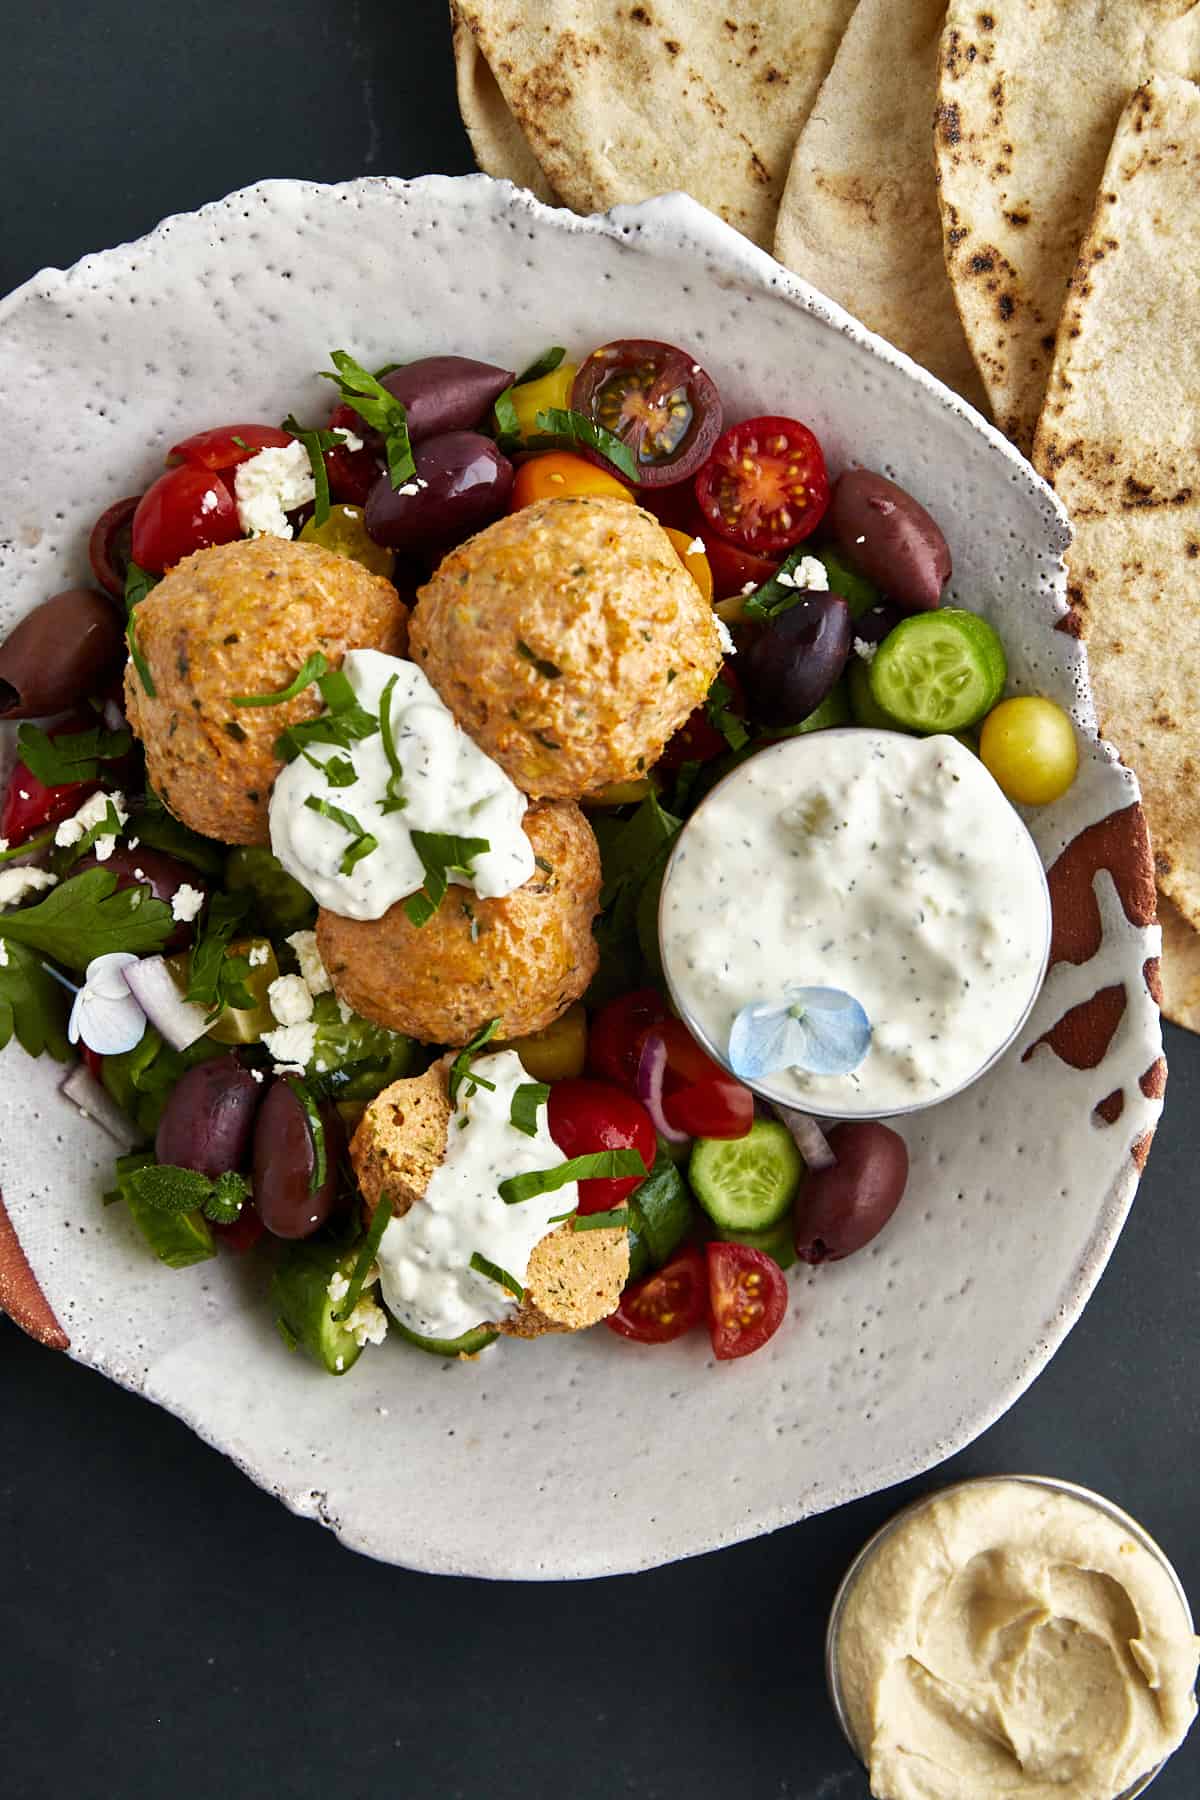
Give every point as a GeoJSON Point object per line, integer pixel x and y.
{"type": "Point", "coordinates": [1007, 189]}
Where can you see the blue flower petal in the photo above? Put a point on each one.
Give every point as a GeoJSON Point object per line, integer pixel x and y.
{"type": "Point", "coordinates": [818, 1029]}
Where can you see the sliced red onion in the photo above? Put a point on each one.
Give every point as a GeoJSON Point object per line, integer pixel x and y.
{"type": "Point", "coordinates": [652, 1068]}
{"type": "Point", "coordinates": [807, 1136]}
{"type": "Point", "coordinates": [178, 1021]}
{"type": "Point", "coordinates": [113, 717]}
{"type": "Point", "coordinates": [83, 1090]}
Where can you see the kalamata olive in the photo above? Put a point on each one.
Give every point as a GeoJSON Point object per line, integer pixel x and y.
{"type": "Point", "coordinates": [791, 666]}
{"type": "Point", "coordinates": [462, 483]}
{"type": "Point", "coordinates": [154, 869]}
{"type": "Point", "coordinates": [446, 393]}
{"type": "Point", "coordinates": [209, 1118]}
{"type": "Point", "coordinates": [842, 1208]}
{"type": "Point", "coordinates": [887, 535]}
{"type": "Point", "coordinates": [873, 625]}
{"type": "Point", "coordinates": [285, 1161]}
{"type": "Point", "coordinates": [110, 546]}
{"type": "Point", "coordinates": [58, 654]}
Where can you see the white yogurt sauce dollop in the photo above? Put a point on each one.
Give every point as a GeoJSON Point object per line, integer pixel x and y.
{"type": "Point", "coordinates": [891, 867]}
{"type": "Point", "coordinates": [448, 783]}
{"type": "Point", "coordinates": [425, 1258]}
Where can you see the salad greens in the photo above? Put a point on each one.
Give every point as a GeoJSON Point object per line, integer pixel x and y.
{"type": "Point", "coordinates": [70, 756]}
{"type": "Point", "coordinates": [89, 916]}
{"type": "Point", "coordinates": [33, 1004]}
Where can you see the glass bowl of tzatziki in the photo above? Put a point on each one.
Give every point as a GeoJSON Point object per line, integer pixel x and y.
{"type": "Point", "coordinates": [886, 869]}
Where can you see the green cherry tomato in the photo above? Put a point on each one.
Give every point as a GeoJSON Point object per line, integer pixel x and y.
{"type": "Point", "coordinates": [1028, 747]}
{"type": "Point", "coordinates": [345, 533]}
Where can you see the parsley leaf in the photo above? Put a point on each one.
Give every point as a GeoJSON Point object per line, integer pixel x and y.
{"type": "Point", "coordinates": [381, 410]}
{"type": "Point", "coordinates": [138, 583]}
{"type": "Point", "coordinates": [560, 427]}
{"type": "Point", "coordinates": [441, 854]}
{"type": "Point", "coordinates": [545, 364]}
{"type": "Point", "coordinates": [597, 1165]}
{"type": "Point", "coordinates": [460, 1068]}
{"type": "Point", "coordinates": [363, 842]}
{"type": "Point", "coordinates": [316, 443]}
{"type": "Point", "coordinates": [720, 715]}
{"type": "Point", "coordinates": [312, 670]}
{"type": "Point", "coordinates": [778, 594]}
{"type": "Point", "coordinates": [214, 982]}
{"type": "Point", "coordinates": [393, 800]}
{"type": "Point", "coordinates": [495, 1273]}
{"type": "Point", "coordinates": [526, 1102]}
{"type": "Point", "coordinates": [366, 1256]}
{"type": "Point", "coordinates": [33, 1005]}
{"type": "Point", "coordinates": [88, 916]}
{"type": "Point", "coordinates": [70, 755]}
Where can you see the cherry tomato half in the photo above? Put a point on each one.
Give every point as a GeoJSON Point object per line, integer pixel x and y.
{"type": "Point", "coordinates": [352, 473]}
{"type": "Point", "coordinates": [186, 509]}
{"type": "Point", "coordinates": [244, 1231]}
{"type": "Point", "coordinates": [657, 400]}
{"type": "Point", "coordinates": [593, 1115]}
{"type": "Point", "coordinates": [699, 1096]}
{"type": "Point", "coordinates": [698, 739]}
{"type": "Point", "coordinates": [616, 1034]}
{"type": "Point", "coordinates": [109, 547]}
{"type": "Point", "coordinates": [28, 806]}
{"type": "Point", "coordinates": [224, 446]}
{"type": "Point", "coordinates": [558, 475]}
{"type": "Point", "coordinates": [747, 1299]}
{"type": "Point", "coordinates": [666, 1304]}
{"type": "Point", "coordinates": [765, 486]}
{"type": "Point", "coordinates": [733, 571]}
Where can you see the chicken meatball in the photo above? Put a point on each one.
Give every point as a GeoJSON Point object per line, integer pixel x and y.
{"type": "Point", "coordinates": [570, 642]}
{"type": "Point", "coordinates": [522, 959]}
{"type": "Point", "coordinates": [241, 619]}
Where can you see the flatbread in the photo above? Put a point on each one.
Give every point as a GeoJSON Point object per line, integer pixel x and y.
{"type": "Point", "coordinates": [1029, 96]}
{"type": "Point", "coordinates": [1119, 438]}
{"type": "Point", "coordinates": [1180, 966]}
{"type": "Point", "coordinates": [496, 138]}
{"type": "Point", "coordinates": [619, 101]}
{"type": "Point", "coordinates": [859, 217]}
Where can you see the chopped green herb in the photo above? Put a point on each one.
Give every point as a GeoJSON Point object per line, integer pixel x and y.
{"type": "Point", "coordinates": [508, 426]}
{"type": "Point", "coordinates": [559, 426]}
{"type": "Point", "coordinates": [316, 1132]}
{"type": "Point", "coordinates": [495, 1273]}
{"type": "Point", "coordinates": [312, 670]}
{"type": "Point", "coordinates": [597, 1165]}
{"type": "Point", "coordinates": [138, 583]}
{"type": "Point", "coordinates": [526, 1101]}
{"type": "Point", "coordinates": [601, 1221]}
{"type": "Point", "coordinates": [545, 364]}
{"type": "Point", "coordinates": [550, 670]}
{"type": "Point", "coordinates": [366, 1256]}
{"type": "Point", "coordinates": [70, 756]}
{"type": "Point", "coordinates": [316, 443]}
{"type": "Point", "coordinates": [215, 981]}
{"type": "Point", "coordinates": [88, 916]}
{"type": "Point", "coordinates": [338, 771]}
{"type": "Point", "coordinates": [381, 410]}
{"type": "Point", "coordinates": [138, 660]}
{"type": "Point", "coordinates": [460, 1068]}
{"type": "Point", "coordinates": [241, 442]}
{"type": "Point", "coordinates": [33, 1005]}
{"type": "Point", "coordinates": [720, 715]}
{"type": "Point", "coordinates": [364, 843]}
{"type": "Point", "coordinates": [778, 594]}
{"type": "Point", "coordinates": [393, 800]}
{"type": "Point", "coordinates": [441, 855]}
{"type": "Point", "coordinates": [543, 865]}
{"type": "Point", "coordinates": [342, 729]}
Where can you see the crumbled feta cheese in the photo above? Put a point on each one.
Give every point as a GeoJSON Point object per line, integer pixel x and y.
{"type": "Point", "coordinates": [22, 794]}
{"type": "Point", "coordinates": [697, 547]}
{"type": "Point", "coordinates": [269, 486]}
{"type": "Point", "coordinates": [368, 1322]}
{"type": "Point", "coordinates": [312, 969]}
{"type": "Point", "coordinates": [809, 574]}
{"type": "Point", "coordinates": [93, 812]}
{"type": "Point", "coordinates": [749, 587]}
{"type": "Point", "coordinates": [339, 1363]}
{"type": "Point", "coordinates": [292, 1044]}
{"type": "Point", "coordinates": [290, 1001]}
{"type": "Point", "coordinates": [15, 884]}
{"type": "Point", "coordinates": [258, 955]}
{"type": "Point", "coordinates": [3, 954]}
{"type": "Point", "coordinates": [349, 440]}
{"type": "Point", "coordinates": [338, 1286]}
{"type": "Point", "coordinates": [3, 845]}
{"type": "Point", "coordinates": [860, 540]}
{"type": "Point", "coordinates": [186, 903]}
{"type": "Point", "coordinates": [210, 501]}
{"type": "Point", "coordinates": [257, 1074]}
{"type": "Point", "coordinates": [347, 1012]}
{"type": "Point", "coordinates": [409, 489]}
{"type": "Point", "coordinates": [725, 635]}
{"type": "Point", "coordinates": [865, 650]}
{"type": "Point", "coordinates": [139, 874]}
{"type": "Point", "coordinates": [132, 843]}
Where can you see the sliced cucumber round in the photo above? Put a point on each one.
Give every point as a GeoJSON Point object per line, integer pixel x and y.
{"type": "Point", "coordinates": [747, 1183]}
{"type": "Point", "coordinates": [939, 671]}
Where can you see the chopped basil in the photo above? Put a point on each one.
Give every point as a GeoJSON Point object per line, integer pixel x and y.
{"type": "Point", "coordinates": [316, 443]}
{"type": "Point", "coordinates": [601, 1221]}
{"type": "Point", "coordinates": [312, 670]}
{"type": "Point", "coordinates": [393, 800]}
{"type": "Point", "coordinates": [138, 583]}
{"type": "Point", "coordinates": [138, 660]}
{"type": "Point", "coordinates": [366, 1256]}
{"type": "Point", "coordinates": [381, 410]}
{"type": "Point", "coordinates": [338, 771]}
{"type": "Point", "coordinates": [526, 1102]}
{"type": "Point", "coordinates": [495, 1273]}
{"type": "Point", "coordinates": [559, 426]}
{"type": "Point", "coordinates": [441, 854]}
{"type": "Point", "coordinates": [718, 711]}
{"type": "Point", "coordinates": [70, 756]}
{"type": "Point", "coordinates": [777, 594]}
{"type": "Point", "coordinates": [550, 670]}
{"type": "Point", "coordinates": [460, 1068]}
{"type": "Point", "coordinates": [598, 1165]}
{"type": "Point", "coordinates": [545, 364]}
{"type": "Point", "coordinates": [364, 843]}
{"type": "Point", "coordinates": [508, 425]}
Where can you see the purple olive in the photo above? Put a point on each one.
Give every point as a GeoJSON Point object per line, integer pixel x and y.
{"type": "Point", "coordinates": [153, 869]}
{"type": "Point", "coordinates": [462, 483]}
{"type": "Point", "coordinates": [285, 1162]}
{"type": "Point", "coordinates": [446, 393]}
{"type": "Point", "coordinates": [873, 625]}
{"type": "Point", "coordinates": [889, 537]}
{"type": "Point", "coordinates": [65, 649]}
{"type": "Point", "coordinates": [791, 666]}
{"type": "Point", "coordinates": [209, 1118]}
{"type": "Point", "coordinates": [843, 1207]}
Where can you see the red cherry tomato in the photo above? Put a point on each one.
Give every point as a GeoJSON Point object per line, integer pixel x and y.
{"type": "Point", "coordinates": [108, 546]}
{"type": "Point", "coordinates": [698, 739]}
{"type": "Point", "coordinates": [765, 485]}
{"type": "Point", "coordinates": [28, 806]}
{"type": "Point", "coordinates": [593, 1115]}
{"type": "Point", "coordinates": [699, 1096]}
{"type": "Point", "coordinates": [352, 473]}
{"type": "Point", "coordinates": [243, 1233]}
{"type": "Point", "coordinates": [92, 1060]}
{"type": "Point", "coordinates": [657, 400]}
{"type": "Point", "coordinates": [615, 1035]}
{"type": "Point", "coordinates": [666, 1304]}
{"type": "Point", "coordinates": [186, 509]}
{"type": "Point", "coordinates": [733, 571]}
{"type": "Point", "coordinates": [224, 446]}
{"type": "Point", "coordinates": [747, 1299]}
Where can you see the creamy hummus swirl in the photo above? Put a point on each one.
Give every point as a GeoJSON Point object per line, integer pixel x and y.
{"type": "Point", "coordinates": [1008, 1639]}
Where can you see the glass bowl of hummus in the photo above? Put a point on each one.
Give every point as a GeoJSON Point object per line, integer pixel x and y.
{"type": "Point", "coordinates": [1012, 1635]}
{"type": "Point", "coordinates": [888, 868]}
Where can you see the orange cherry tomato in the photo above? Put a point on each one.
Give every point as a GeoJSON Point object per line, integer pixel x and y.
{"type": "Point", "coordinates": [692, 555]}
{"type": "Point", "coordinates": [557, 475]}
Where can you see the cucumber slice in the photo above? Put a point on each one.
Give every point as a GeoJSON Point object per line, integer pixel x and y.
{"type": "Point", "coordinates": [299, 1293]}
{"type": "Point", "coordinates": [859, 594]}
{"type": "Point", "coordinates": [778, 1241]}
{"type": "Point", "coordinates": [469, 1344]}
{"type": "Point", "coordinates": [864, 708]}
{"type": "Point", "coordinates": [747, 1183]}
{"type": "Point", "coordinates": [939, 671]}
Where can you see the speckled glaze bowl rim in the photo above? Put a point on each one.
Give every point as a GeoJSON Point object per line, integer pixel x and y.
{"type": "Point", "coordinates": [805, 744]}
{"type": "Point", "coordinates": [1055, 1484]}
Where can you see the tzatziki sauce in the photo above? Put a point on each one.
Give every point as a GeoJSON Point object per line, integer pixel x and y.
{"type": "Point", "coordinates": [425, 1257]}
{"type": "Point", "coordinates": [448, 785]}
{"type": "Point", "coordinates": [890, 867]}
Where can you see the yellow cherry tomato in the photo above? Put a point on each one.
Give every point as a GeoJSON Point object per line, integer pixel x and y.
{"type": "Point", "coordinates": [694, 560]}
{"type": "Point", "coordinates": [533, 397]}
{"type": "Point", "coordinates": [345, 533]}
{"type": "Point", "coordinates": [558, 475]}
{"type": "Point", "coordinates": [1028, 747]}
{"type": "Point", "coordinates": [556, 1053]}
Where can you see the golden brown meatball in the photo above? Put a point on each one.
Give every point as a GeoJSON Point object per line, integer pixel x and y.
{"type": "Point", "coordinates": [243, 618]}
{"type": "Point", "coordinates": [522, 959]}
{"type": "Point", "coordinates": [570, 641]}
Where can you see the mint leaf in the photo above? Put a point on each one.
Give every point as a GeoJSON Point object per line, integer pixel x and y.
{"type": "Point", "coordinates": [33, 1005]}
{"type": "Point", "coordinates": [168, 1189]}
{"type": "Point", "coordinates": [560, 427]}
{"type": "Point", "coordinates": [441, 854]}
{"type": "Point", "coordinates": [363, 842]}
{"type": "Point", "coordinates": [229, 1194]}
{"type": "Point", "coordinates": [87, 917]}
{"type": "Point", "coordinates": [70, 756]}
{"type": "Point", "coordinates": [460, 1068]}
{"type": "Point", "coordinates": [316, 443]}
{"type": "Point", "coordinates": [527, 1101]}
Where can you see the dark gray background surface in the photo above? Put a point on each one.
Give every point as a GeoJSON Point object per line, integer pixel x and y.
{"type": "Point", "coordinates": [168, 1630]}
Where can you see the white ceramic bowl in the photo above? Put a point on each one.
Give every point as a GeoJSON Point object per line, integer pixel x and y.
{"type": "Point", "coordinates": [584, 1456]}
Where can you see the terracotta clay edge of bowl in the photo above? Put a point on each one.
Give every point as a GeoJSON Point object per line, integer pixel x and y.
{"type": "Point", "coordinates": [21, 1296]}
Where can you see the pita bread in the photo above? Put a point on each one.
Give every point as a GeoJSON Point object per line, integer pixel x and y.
{"type": "Point", "coordinates": [1119, 438]}
{"type": "Point", "coordinates": [859, 217]}
{"type": "Point", "coordinates": [1029, 96]}
{"type": "Point", "coordinates": [1180, 966]}
{"type": "Point", "coordinates": [620, 101]}
{"type": "Point", "coordinates": [496, 139]}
